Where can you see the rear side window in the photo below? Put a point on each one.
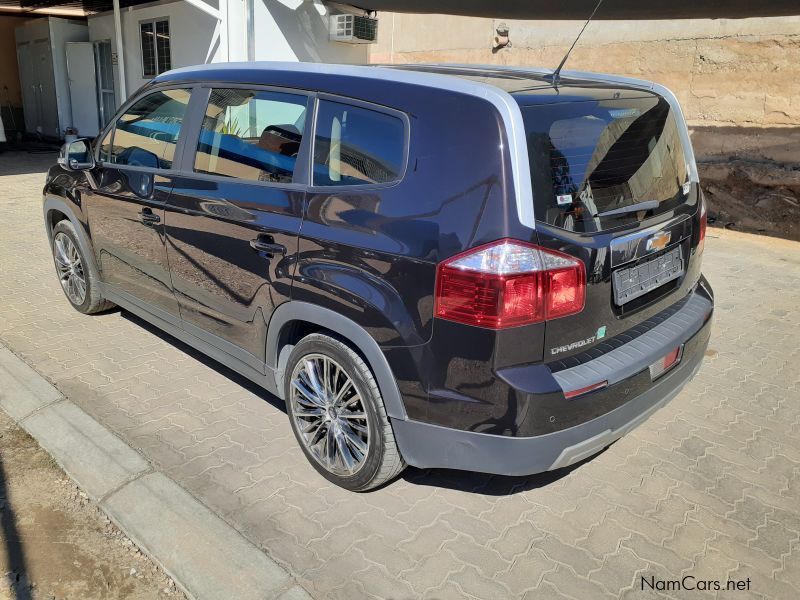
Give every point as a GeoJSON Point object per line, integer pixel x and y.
{"type": "Point", "coordinates": [146, 134]}
{"type": "Point", "coordinates": [357, 146]}
{"type": "Point", "coordinates": [250, 134]}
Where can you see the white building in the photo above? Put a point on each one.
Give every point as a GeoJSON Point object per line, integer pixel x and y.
{"type": "Point", "coordinates": [190, 32]}
{"type": "Point", "coordinates": [113, 52]}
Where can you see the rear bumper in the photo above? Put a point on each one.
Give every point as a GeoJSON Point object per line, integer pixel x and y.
{"type": "Point", "coordinates": [426, 445]}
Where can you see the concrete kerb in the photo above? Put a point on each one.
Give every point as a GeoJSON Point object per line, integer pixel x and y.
{"type": "Point", "coordinates": [207, 558]}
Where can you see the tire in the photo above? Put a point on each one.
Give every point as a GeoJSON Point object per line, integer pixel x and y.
{"type": "Point", "coordinates": [341, 424]}
{"type": "Point", "coordinates": [73, 269]}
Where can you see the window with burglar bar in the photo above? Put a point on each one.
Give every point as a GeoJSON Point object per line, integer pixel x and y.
{"type": "Point", "coordinates": [156, 52]}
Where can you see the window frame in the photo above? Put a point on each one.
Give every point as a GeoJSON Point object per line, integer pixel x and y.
{"type": "Point", "coordinates": [186, 147]}
{"type": "Point", "coordinates": [153, 21]}
{"type": "Point", "coordinates": [111, 128]}
{"type": "Point", "coordinates": [379, 108]}
{"type": "Point", "coordinates": [196, 112]}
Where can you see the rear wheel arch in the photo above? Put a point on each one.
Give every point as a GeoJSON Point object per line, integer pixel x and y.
{"type": "Point", "coordinates": [295, 320]}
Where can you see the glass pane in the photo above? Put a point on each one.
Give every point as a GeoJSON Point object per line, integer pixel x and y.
{"type": "Point", "coordinates": [148, 50]}
{"type": "Point", "coordinates": [591, 160]}
{"type": "Point", "coordinates": [162, 46]}
{"type": "Point", "coordinates": [148, 131]}
{"type": "Point", "coordinates": [251, 135]}
{"type": "Point", "coordinates": [355, 146]}
{"type": "Point", "coordinates": [105, 147]}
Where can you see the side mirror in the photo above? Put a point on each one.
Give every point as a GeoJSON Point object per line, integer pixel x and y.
{"type": "Point", "coordinates": [76, 156]}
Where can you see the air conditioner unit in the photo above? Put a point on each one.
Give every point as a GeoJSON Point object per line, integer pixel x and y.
{"type": "Point", "coordinates": [353, 29]}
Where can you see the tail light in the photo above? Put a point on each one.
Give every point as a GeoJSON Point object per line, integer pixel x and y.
{"type": "Point", "coordinates": [509, 283]}
{"type": "Point", "coordinates": [703, 225]}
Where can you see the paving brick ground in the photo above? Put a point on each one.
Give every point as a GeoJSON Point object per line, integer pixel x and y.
{"type": "Point", "coordinates": [708, 487]}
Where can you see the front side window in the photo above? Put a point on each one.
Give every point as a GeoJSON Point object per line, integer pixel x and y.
{"type": "Point", "coordinates": [251, 134]}
{"type": "Point", "coordinates": [146, 134]}
{"type": "Point", "coordinates": [105, 146]}
{"type": "Point", "coordinates": [156, 53]}
{"type": "Point", "coordinates": [357, 146]}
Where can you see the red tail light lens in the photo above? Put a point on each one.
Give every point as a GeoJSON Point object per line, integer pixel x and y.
{"type": "Point", "coordinates": [509, 283]}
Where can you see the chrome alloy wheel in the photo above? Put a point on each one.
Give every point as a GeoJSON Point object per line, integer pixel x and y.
{"type": "Point", "coordinates": [329, 414]}
{"type": "Point", "coordinates": [70, 268]}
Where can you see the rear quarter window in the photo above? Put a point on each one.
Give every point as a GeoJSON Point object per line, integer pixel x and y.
{"type": "Point", "coordinates": [354, 145]}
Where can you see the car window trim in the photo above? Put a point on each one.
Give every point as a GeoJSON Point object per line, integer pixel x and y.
{"type": "Point", "coordinates": [186, 147]}
{"type": "Point", "coordinates": [379, 108]}
{"type": "Point", "coordinates": [143, 92]}
{"type": "Point", "coordinates": [186, 168]}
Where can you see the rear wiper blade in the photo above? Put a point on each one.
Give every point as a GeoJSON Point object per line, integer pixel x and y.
{"type": "Point", "coordinates": [646, 205]}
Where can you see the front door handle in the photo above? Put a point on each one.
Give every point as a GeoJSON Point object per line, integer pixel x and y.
{"type": "Point", "coordinates": [265, 244]}
{"type": "Point", "coordinates": [147, 217]}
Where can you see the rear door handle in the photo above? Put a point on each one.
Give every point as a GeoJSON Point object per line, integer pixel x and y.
{"type": "Point", "coordinates": [147, 217]}
{"type": "Point", "coordinates": [265, 244]}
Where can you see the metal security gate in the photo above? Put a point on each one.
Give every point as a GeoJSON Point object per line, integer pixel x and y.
{"type": "Point", "coordinates": [91, 85]}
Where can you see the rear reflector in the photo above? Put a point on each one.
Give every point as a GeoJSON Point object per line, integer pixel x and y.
{"type": "Point", "coordinates": [658, 368]}
{"type": "Point", "coordinates": [585, 390]}
{"type": "Point", "coordinates": [509, 283]}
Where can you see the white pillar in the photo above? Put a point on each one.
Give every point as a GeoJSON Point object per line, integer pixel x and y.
{"type": "Point", "coordinates": [224, 45]}
{"type": "Point", "coordinates": [123, 93]}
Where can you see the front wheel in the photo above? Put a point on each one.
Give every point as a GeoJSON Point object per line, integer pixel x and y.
{"type": "Point", "coordinates": [80, 283]}
{"type": "Point", "coordinates": [337, 414]}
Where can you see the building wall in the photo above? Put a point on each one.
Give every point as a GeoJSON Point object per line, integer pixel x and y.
{"type": "Point", "coordinates": [287, 30]}
{"type": "Point", "coordinates": [741, 75]}
{"type": "Point", "coordinates": [294, 30]}
{"type": "Point", "coordinates": [191, 32]}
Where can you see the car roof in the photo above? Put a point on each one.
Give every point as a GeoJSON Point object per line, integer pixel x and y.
{"type": "Point", "coordinates": [526, 85]}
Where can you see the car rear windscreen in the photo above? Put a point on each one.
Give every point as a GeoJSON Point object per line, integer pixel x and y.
{"type": "Point", "coordinates": [600, 164]}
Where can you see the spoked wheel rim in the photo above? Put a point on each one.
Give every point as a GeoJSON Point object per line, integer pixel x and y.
{"type": "Point", "coordinates": [70, 268]}
{"type": "Point", "coordinates": [330, 415]}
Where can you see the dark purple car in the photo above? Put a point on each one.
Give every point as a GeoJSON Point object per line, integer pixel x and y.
{"type": "Point", "coordinates": [443, 266]}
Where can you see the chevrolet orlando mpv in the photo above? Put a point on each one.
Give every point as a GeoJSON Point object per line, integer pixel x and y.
{"type": "Point", "coordinates": [481, 268]}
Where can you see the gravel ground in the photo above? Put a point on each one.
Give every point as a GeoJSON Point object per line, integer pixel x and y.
{"type": "Point", "coordinates": [55, 543]}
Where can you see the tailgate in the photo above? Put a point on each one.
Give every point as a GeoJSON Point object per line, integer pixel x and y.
{"type": "Point", "coordinates": [611, 187]}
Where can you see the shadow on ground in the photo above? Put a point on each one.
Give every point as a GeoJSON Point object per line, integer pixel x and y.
{"type": "Point", "coordinates": [37, 159]}
{"type": "Point", "coordinates": [12, 545]}
{"type": "Point", "coordinates": [465, 481]}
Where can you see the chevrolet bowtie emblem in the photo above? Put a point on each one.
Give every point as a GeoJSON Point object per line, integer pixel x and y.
{"type": "Point", "coordinates": [659, 241]}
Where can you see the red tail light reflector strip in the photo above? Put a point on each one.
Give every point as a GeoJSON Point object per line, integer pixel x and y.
{"type": "Point", "coordinates": [585, 390]}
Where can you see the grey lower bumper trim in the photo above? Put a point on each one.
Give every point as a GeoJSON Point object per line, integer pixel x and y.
{"type": "Point", "coordinates": [638, 354]}
{"type": "Point", "coordinates": [425, 446]}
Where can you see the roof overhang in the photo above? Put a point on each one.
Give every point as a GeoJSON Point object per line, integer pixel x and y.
{"type": "Point", "coordinates": [66, 8]}
{"type": "Point", "coordinates": [581, 9]}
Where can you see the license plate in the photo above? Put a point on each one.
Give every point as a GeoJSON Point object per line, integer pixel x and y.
{"type": "Point", "coordinates": [636, 281]}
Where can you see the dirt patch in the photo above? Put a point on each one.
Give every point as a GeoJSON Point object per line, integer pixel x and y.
{"type": "Point", "coordinates": [55, 543]}
{"type": "Point", "coordinates": [754, 197]}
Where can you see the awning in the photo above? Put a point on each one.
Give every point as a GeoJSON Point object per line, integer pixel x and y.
{"type": "Point", "coordinates": [581, 9]}
{"type": "Point", "coordinates": [67, 7]}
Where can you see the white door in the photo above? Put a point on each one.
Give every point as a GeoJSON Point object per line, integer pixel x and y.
{"type": "Point", "coordinates": [83, 88]}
